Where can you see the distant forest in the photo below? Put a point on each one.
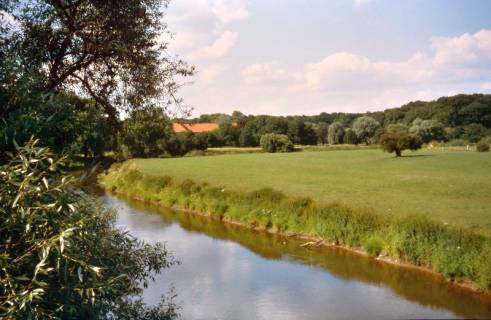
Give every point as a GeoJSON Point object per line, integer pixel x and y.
{"type": "Point", "coordinates": [463, 117]}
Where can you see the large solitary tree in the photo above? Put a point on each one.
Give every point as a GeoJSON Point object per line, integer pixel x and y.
{"type": "Point", "coordinates": [113, 51]}
{"type": "Point", "coordinates": [397, 139]}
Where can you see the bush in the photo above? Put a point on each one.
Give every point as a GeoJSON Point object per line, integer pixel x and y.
{"type": "Point", "coordinates": [61, 257]}
{"type": "Point", "coordinates": [482, 146]}
{"type": "Point", "coordinates": [457, 143]}
{"type": "Point", "coordinates": [374, 245]}
{"type": "Point", "coordinates": [272, 142]}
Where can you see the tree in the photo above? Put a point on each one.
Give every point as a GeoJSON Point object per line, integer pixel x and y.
{"type": "Point", "coordinates": [398, 139]}
{"type": "Point", "coordinates": [272, 142]}
{"type": "Point", "coordinates": [350, 137]}
{"type": "Point", "coordinates": [429, 130]}
{"type": "Point", "coordinates": [365, 128]}
{"type": "Point", "coordinates": [474, 132]}
{"type": "Point", "coordinates": [228, 133]}
{"type": "Point", "coordinates": [61, 256]}
{"type": "Point", "coordinates": [321, 131]}
{"type": "Point", "coordinates": [335, 133]}
{"type": "Point", "coordinates": [112, 51]}
{"type": "Point", "coordinates": [247, 137]}
{"type": "Point", "coordinates": [145, 133]}
{"type": "Point", "coordinates": [64, 122]}
{"type": "Point", "coordinates": [301, 133]}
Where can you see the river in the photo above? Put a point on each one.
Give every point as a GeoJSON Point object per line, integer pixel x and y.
{"type": "Point", "coordinates": [229, 272]}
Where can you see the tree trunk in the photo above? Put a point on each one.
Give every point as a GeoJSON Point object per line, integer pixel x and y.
{"type": "Point", "coordinates": [398, 153]}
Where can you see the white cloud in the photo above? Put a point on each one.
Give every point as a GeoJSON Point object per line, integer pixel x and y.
{"type": "Point", "coordinates": [220, 47]}
{"type": "Point", "coordinates": [465, 49]}
{"type": "Point", "coordinates": [202, 27]}
{"type": "Point", "coordinates": [349, 82]}
{"type": "Point", "coordinates": [230, 10]}
{"type": "Point", "coordinates": [261, 73]}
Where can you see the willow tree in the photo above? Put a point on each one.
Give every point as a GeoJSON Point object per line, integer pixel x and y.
{"type": "Point", "coordinates": [113, 51]}
{"type": "Point", "coordinates": [398, 138]}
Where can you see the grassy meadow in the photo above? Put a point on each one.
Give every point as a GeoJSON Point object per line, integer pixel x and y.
{"type": "Point", "coordinates": [453, 187]}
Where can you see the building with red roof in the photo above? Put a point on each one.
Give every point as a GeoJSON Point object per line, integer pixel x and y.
{"type": "Point", "coordinates": [194, 127]}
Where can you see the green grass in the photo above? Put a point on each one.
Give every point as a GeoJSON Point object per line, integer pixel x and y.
{"type": "Point", "coordinates": [451, 187]}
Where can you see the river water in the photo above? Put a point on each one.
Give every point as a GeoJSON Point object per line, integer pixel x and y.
{"type": "Point", "coordinates": [229, 272]}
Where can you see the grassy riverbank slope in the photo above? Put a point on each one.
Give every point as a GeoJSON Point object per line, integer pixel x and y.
{"type": "Point", "coordinates": [458, 253]}
{"type": "Point", "coordinates": [452, 187]}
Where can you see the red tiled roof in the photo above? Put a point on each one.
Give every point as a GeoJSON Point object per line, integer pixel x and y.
{"type": "Point", "coordinates": [194, 127]}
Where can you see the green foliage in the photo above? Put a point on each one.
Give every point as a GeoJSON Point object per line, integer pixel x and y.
{"type": "Point", "coordinates": [474, 132]}
{"type": "Point", "coordinates": [482, 146]}
{"type": "Point", "coordinates": [321, 131]}
{"type": "Point", "coordinates": [454, 252]}
{"type": "Point", "coordinates": [457, 143]}
{"type": "Point", "coordinates": [335, 133]}
{"type": "Point", "coordinates": [66, 124]}
{"type": "Point", "coordinates": [446, 118]}
{"type": "Point", "coordinates": [110, 53]}
{"type": "Point", "coordinates": [398, 139]}
{"type": "Point", "coordinates": [145, 133]}
{"type": "Point", "coordinates": [365, 128]}
{"type": "Point", "coordinates": [301, 133]}
{"type": "Point", "coordinates": [373, 245]}
{"type": "Point", "coordinates": [428, 130]}
{"type": "Point", "coordinates": [272, 142]}
{"type": "Point", "coordinates": [185, 143]}
{"type": "Point", "coordinates": [60, 255]}
{"type": "Point", "coordinates": [350, 137]}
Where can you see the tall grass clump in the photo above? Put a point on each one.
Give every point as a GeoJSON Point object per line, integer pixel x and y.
{"type": "Point", "coordinates": [457, 253]}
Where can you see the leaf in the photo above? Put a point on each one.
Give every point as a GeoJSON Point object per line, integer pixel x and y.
{"type": "Point", "coordinates": [45, 183]}
{"type": "Point", "coordinates": [80, 275]}
{"type": "Point", "coordinates": [16, 200]}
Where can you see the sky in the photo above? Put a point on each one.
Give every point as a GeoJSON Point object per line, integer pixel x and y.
{"type": "Point", "coordinates": [310, 56]}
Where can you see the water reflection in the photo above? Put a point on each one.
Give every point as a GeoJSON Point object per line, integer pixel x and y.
{"type": "Point", "coordinates": [229, 272]}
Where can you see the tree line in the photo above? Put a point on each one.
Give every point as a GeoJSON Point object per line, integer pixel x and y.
{"type": "Point", "coordinates": [466, 117]}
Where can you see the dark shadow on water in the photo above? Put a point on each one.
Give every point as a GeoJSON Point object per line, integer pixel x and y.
{"type": "Point", "coordinates": [412, 284]}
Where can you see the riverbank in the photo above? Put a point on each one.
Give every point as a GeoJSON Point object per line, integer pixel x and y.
{"type": "Point", "coordinates": [460, 255]}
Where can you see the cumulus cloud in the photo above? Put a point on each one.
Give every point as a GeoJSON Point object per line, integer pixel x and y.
{"type": "Point", "coordinates": [220, 47]}
{"type": "Point", "coordinates": [261, 73]}
{"type": "Point", "coordinates": [230, 10]}
{"type": "Point", "coordinates": [465, 49]}
{"type": "Point", "coordinates": [345, 81]}
{"type": "Point", "coordinates": [202, 27]}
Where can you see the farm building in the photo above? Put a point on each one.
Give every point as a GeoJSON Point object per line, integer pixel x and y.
{"type": "Point", "coordinates": [194, 127]}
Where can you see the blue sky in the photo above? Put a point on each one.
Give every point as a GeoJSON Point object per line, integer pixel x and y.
{"type": "Point", "coordinates": [310, 56]}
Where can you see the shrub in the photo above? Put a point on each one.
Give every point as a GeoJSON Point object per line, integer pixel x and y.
{"type": "Point", "coordinates": [457, 143]}
{"type": "Point", "coordinates": [482, 146]}
{"type": "Point", "coordinates": [373, 245]}
{"type": "Point", "coordinates": [272, 142]}
{"type": "Point", "coordinates": [61, 257]}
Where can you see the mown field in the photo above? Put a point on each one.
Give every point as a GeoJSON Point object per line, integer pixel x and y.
{"type": "Point", "coordinates": [453, 187]}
